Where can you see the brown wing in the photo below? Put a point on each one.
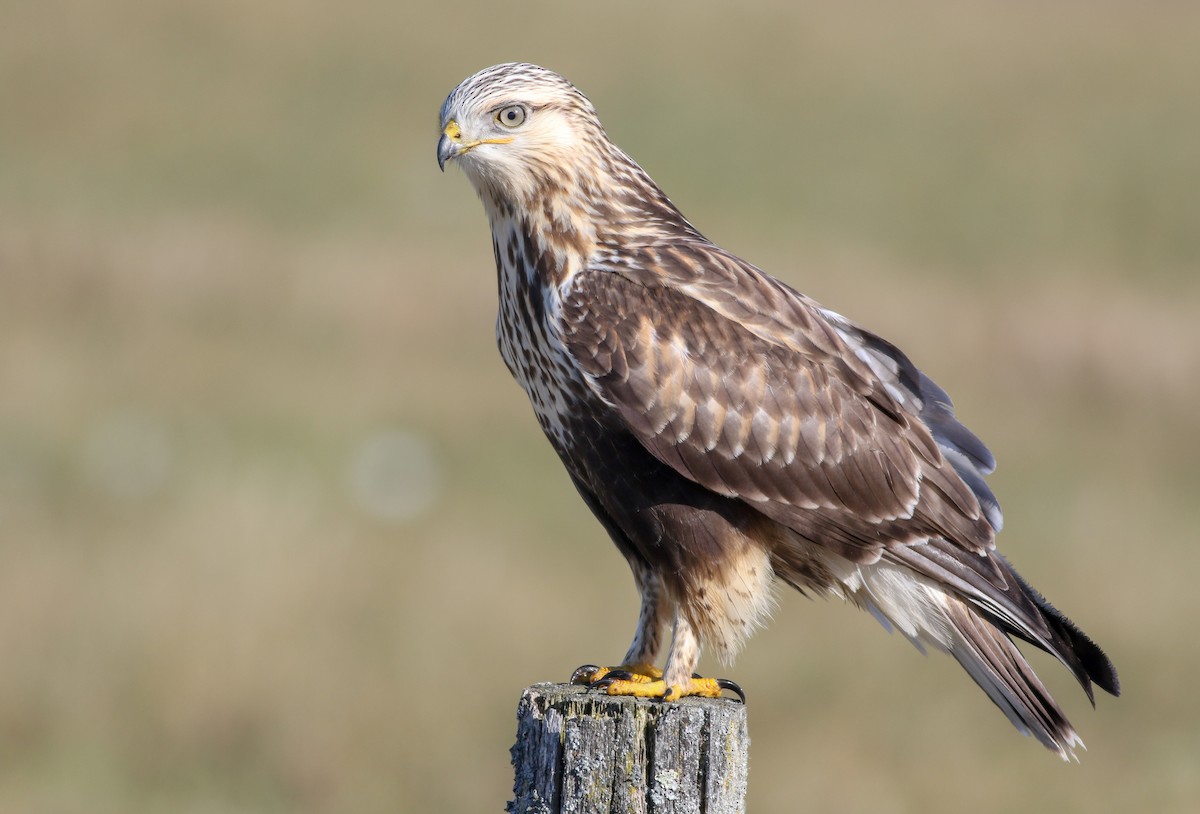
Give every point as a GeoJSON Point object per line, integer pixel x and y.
{"type": "Point", "coordinates": [774, 409]}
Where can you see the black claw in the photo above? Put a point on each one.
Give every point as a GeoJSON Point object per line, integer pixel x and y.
{"type": "Point", "coordinates": [582, 675]}
{"type": "Point", "coordinates": [611, 677]}
{"type": "Point", "coordinates": [726, 684]}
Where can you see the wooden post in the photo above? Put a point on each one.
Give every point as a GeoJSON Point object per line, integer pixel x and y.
{"type": "Point", "coordinates": [581, 751]}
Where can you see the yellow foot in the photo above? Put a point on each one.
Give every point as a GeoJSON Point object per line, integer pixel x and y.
{"type": "Point", "coordinates": [645, 681]}
{"type": "Point", "coordinates": [641, 673]}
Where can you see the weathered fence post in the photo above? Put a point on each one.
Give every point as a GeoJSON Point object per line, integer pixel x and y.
{"type": "Point", "coordinates": [580, 750]}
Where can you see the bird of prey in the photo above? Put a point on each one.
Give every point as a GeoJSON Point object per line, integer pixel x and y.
{"type": "Point", "coordinates": [729, 432]}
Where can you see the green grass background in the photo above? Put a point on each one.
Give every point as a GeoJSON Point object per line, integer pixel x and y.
{"type": "Point", "coordinates": [280, 535]}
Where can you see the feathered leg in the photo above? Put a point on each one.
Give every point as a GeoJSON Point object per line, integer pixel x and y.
{"type": "Point", "coordinates": [637, 674]}
{"type": "Point", "coordinates": [638, 664]}
{"type": "Point", "coordinates": [647, 639]}
{"type": "Point", "coordinates": [678, 681]}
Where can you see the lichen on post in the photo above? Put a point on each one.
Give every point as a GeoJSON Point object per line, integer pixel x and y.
{"type": "Point", "coordinates": [579, 750]}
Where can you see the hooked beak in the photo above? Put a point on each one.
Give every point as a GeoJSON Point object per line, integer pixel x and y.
{"type": "Point", "coordinates": [450, 144]}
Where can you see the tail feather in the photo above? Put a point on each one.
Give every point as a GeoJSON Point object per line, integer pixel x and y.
{"type": "Point", "coordinates": [953, 608]}
{"type": "Point", "coordinates": [998, 667]}
{"type": "Point", "coordinates": [1083, 656]}
{"type": "Point", "coordinates": [994, 588]}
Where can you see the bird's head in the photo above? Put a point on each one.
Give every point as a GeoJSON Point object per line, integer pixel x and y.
{"type": "Point", "coordinates": [513, 128]}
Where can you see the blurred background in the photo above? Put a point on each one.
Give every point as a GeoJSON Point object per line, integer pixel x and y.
{"type": "Point", "coordinates": [279, 534]}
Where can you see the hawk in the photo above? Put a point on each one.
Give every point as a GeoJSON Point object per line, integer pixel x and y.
{"type": "Point", "coordinates": [729, 432]}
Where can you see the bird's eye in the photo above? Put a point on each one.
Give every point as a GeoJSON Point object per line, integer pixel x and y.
{"type": "Point", "coordinates": [511, 116]}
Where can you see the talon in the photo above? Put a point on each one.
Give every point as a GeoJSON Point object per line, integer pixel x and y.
{"type": "Point", "coordinates": [603, 682]}
{"type": "Point", "coordinates": [591, 674]}
{"type": "Point", "coordinates": [583, 675]}
{"type": "Point", "coordinates": [732, 686]}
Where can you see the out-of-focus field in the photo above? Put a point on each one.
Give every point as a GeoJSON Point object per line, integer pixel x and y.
{"type": "Point", "coordinates": [278, 533]}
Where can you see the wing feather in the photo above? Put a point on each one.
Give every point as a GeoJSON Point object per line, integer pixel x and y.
{"type": "Point", "coordinates": [758, 395]}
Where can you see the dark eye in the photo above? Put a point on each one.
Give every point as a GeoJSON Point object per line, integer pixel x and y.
{"type": "Point", "coordinates": [511, 116]}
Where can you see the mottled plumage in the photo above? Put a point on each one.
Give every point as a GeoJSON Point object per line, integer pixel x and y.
{"type": "Point", "coordinates": [725, 429]}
